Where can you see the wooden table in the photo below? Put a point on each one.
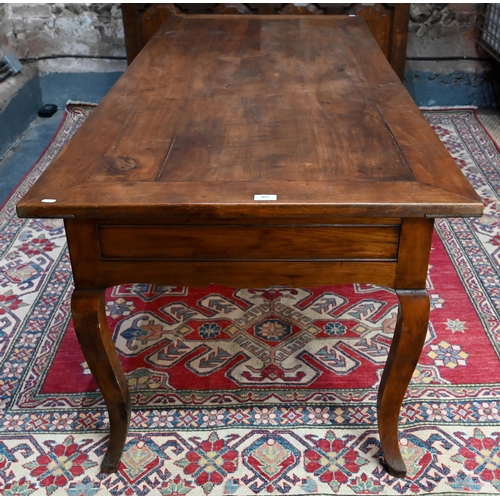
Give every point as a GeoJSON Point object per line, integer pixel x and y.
{"type": "Point", "coordinates": [251, 152]}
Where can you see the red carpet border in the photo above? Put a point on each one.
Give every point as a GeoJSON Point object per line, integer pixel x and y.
{"type": "Point", "coordinates": [254, 391]}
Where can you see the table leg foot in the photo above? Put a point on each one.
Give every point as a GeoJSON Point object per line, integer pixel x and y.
{"type": "Point", "coordinates": [394, 463]}
{"type": "Point", "coordinates": [407, 344]}
{"type": "Point", "coordinates": [111, 460]}
{"type": "Point", "coordinates": [89, 318]}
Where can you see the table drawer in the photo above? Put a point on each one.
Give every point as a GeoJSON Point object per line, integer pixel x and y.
{"type": "Point", "coordinates": [247, 243]}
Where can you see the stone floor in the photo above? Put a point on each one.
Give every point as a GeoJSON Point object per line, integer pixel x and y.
{"type": "Point", "coordinates": [21, 157]}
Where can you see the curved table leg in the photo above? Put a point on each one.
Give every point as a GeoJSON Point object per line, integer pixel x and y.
{"type": "Point", "coordinates": [407, 344]}
{"type": "Point", "coordinates": [89, 317]}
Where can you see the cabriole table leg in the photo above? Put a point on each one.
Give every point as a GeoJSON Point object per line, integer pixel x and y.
{"type": "Point", "coordinates": [407, 344]}
{"type": "Point", "coordinates": [89, 317]}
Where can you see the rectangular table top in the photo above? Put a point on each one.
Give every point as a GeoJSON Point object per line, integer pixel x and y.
{"type": "Point", "coordinates": [217, 110]}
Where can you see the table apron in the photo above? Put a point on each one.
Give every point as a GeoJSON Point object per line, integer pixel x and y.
{"type": "Point", "coordinates": [255, 255]}
{"type": "Point", "coordinates": [247, 243]}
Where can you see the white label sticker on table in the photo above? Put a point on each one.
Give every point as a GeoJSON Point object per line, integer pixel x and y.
{"type": "Point", "coordinates": [265, 197]}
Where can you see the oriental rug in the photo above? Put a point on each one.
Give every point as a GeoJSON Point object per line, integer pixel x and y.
{"type": "Point", "coordinates": [254, 391]}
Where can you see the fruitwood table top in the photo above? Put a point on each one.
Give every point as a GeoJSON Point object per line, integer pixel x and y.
{"type": "Point", "coordinates": [219, 109]}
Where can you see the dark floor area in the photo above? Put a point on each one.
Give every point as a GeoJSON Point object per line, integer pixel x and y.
{"type": "Point", "coordinates": [21, 157]}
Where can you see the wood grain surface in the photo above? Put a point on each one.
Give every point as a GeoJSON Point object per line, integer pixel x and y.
{"type": "Point", "coordinates": [388, 23]}
{"type": "Point", "coordinates": [220, 108]}
{"type": "Point", "coordinates": [249, 242]}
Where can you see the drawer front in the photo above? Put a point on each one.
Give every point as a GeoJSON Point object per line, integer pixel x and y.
{"type": "Point", "coordinates": [248, 243]}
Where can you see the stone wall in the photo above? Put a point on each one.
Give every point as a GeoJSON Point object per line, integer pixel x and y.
{"type": "Point", "coordinates": [442, 29]}
{"type": "Point", "coordinates": [31, 30]}
{"type": "Point", "coordinates": [435, 30]}
{"type": "Point", "coordinates": [10, 87]}
{"type": "Point", "coordinates": [447, 30]}
{"type": "Point", "coordinates": [4, 26]}
{"type": "Point", "coordinates": [85, 29]}
{"type": "Point", "coordinates": [96, 29]}
{"type": "Point", "coordinates": [439, 19]}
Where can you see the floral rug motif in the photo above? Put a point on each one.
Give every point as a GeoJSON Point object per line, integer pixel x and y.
{"type": "Point", "coordinates": [248, 391]}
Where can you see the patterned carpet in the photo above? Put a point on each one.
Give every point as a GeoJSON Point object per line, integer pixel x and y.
{"type": "Point", "coordinates": [490, 118]}
{"type": "Point", "coordinates": [254, 391]}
